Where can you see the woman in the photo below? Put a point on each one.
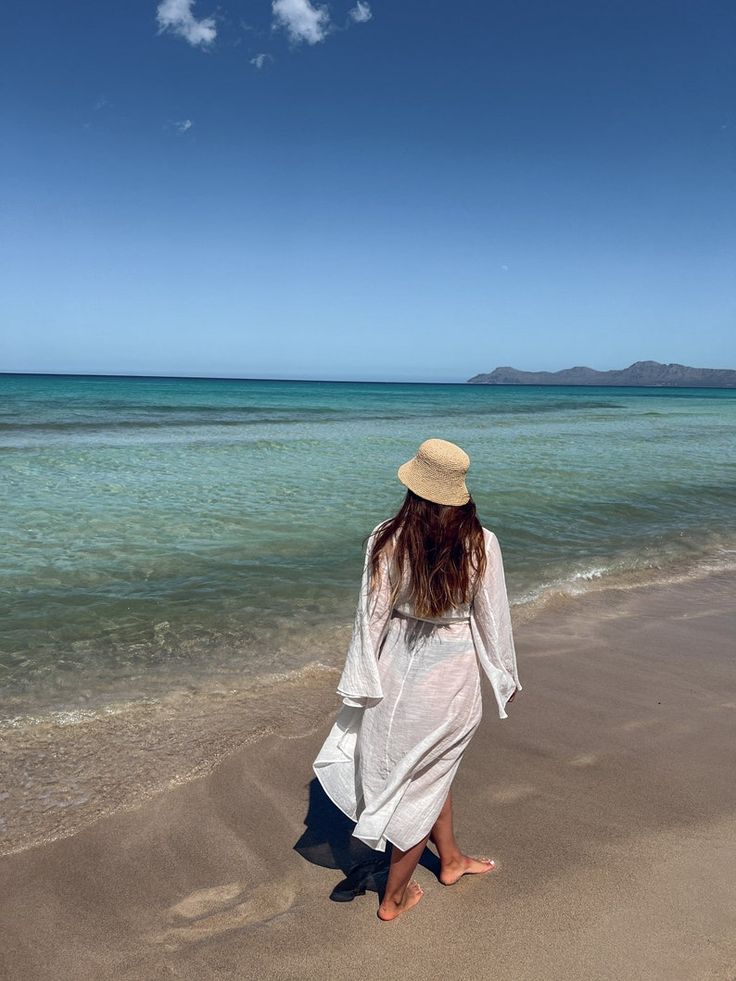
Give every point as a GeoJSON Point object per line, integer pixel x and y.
{"type": "Point", "coordinates": [432, 607]}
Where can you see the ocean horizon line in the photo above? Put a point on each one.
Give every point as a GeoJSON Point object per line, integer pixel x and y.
{"type": "Point", "coordinates": [296, 381]}
{"type": "Point", "coordinates": [344, 381]}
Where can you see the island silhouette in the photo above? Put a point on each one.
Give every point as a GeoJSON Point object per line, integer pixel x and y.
{"type": "Point", "coordinates": [642, 373]}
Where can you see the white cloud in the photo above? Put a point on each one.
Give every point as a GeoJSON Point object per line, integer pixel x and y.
{"type": "Point", "coordinates": [183, 125]}
{"type": "Point", "coordinates": [176, 16]}
{"type": "Point", "coordinates": [301, 20]}
{"type": "Point", "coordinates": [361, 12]}
{"type": "Point", "coordinates": [260, 60]}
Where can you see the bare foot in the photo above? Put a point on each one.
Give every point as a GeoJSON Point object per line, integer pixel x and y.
{"type": "Point", "coordinates": [452, 871]}
{"type": "Point", "coordinates": [389, 910]}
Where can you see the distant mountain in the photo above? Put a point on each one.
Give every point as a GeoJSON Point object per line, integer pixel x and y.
{"type": "Point", "coordinates": [644, 373]}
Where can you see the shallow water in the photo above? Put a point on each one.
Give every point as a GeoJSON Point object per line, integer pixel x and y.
{"type": "Point", "coordinates": [168, 534]}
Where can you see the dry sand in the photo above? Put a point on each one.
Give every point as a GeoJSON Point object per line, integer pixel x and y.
{"type": "Point", "coordinates": [608, 799]}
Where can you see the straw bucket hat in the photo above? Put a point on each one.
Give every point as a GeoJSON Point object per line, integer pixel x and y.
{"type": "Point", "coordinates": [437, 472]}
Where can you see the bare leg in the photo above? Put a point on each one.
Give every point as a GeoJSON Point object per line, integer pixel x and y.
{"type": "Point", "coordinates": [401, 891]}
{"type": "Point", "coordinates": [453, 864]}
{"type": "Point", "coordinates": [442, 834]}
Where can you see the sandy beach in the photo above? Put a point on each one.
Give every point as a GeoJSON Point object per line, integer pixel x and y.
{"type": "Point", "coordinates": [607, 799]}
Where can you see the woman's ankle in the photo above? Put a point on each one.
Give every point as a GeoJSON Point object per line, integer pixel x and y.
{"type": "Point", "coordinates": [394, 898]}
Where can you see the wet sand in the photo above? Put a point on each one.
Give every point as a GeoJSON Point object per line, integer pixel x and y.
{"type": "Point", "coordinates": [607, 797]}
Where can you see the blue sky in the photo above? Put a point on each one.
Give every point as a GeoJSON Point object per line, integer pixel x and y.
{"type": "Point", "coordinates": [390, 191]}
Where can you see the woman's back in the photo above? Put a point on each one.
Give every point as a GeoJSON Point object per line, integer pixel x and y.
{"type": "Point", "coordinates": [404, 602]}
{"type": "Point", "coordinates": [430, 558]}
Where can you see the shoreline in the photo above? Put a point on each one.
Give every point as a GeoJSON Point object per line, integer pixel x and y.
{"type": "Point", "coordinates": [76, 757]}
{"type": "Point", "coordinates": [717, 558]}
{"type": "Point", "coordinates": [606, 798]}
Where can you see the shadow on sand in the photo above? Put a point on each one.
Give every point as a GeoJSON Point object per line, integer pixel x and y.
{"type": "Point", "coordinates": [328, 841]}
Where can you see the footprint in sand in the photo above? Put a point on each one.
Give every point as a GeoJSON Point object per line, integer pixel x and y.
{"type": "Point", "coordinates": [585, 759]}
{"type": "Point", "coordinates": [209, 912]}
{"type": "Point", "coordinates": [204, 902]}
{"type": "Point", "coordinates": [508, 795]}
{"type": "Point", "coordinates": [637, 724]}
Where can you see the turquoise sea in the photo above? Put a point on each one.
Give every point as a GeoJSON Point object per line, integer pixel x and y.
{"type": "Point", "coordinates": [181, 557]}
{"type": "Point", "coordinates": [162, 532]}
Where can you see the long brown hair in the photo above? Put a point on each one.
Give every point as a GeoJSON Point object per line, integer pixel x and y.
{"type": "Point", "coordinates": [443, 548]}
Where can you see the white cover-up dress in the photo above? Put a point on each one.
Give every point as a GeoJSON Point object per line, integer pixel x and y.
{"type": "Point", "coordinates": [412, 702]}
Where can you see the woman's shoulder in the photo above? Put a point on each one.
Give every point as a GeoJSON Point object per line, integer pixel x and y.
{"type": "Point", "coordinates": [378, 527]}
{"type": "Point", "coordinates": [374, 533]}
{"type": "Point", "coordinates": [492, 544]}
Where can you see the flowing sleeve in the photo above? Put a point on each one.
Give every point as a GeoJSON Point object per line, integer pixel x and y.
{"type": "Point", "coordinates": [360, 683]}
{"type": "Point", "coordinates": [490, 623]}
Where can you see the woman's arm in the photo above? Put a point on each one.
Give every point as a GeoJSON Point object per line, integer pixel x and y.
{"type": "Point", "coordinates": [360, 682]}
{"type": "Point", "coordinates": [490, 619]}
